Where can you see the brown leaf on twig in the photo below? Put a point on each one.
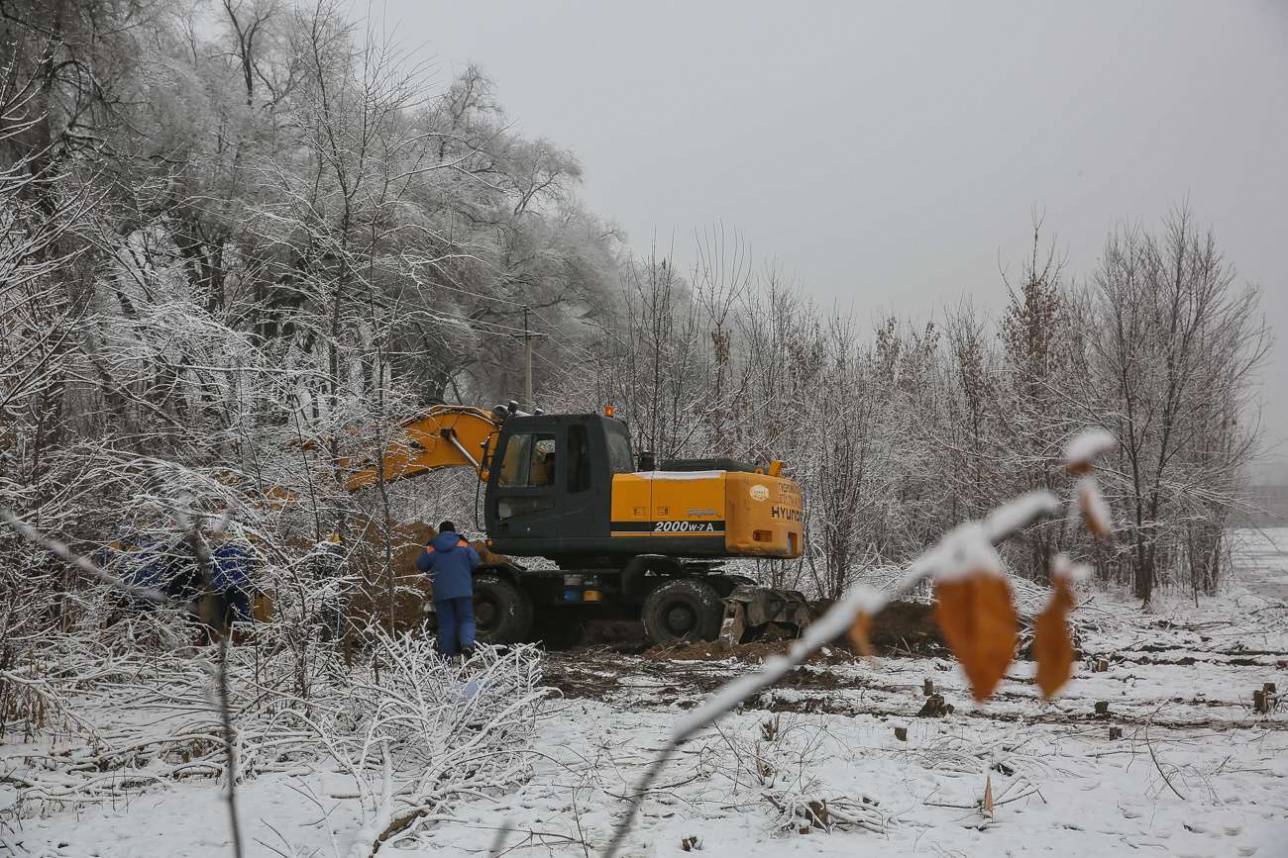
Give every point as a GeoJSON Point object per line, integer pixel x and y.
{"type": "Point", "coordinates": [979, 623]}
{"type": "Point", "coordinates": [860, 635]}
{"type": "Point", "coordinates": [1095, 511]}
{"type": "Point", "coordinates": [987, 805]}
{"type": "Point", "coordinates": [1052, 645]}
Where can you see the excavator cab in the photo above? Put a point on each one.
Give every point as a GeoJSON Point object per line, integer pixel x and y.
{"type": "Point", "coordinates": [550, 486]}
{"type": "Point", "coordinates": [566, 487]}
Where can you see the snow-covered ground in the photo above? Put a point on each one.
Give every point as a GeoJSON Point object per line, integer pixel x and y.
{"type": "Point", "coordinates": [1196, 772]}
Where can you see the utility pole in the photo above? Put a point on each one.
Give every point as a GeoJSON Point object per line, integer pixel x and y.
{"type": "Point", "coordinates": [528, 403]}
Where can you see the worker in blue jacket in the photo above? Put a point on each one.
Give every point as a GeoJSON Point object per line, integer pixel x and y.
{"type": "Point", "coordinates": [449, 561]}
{"type": "Point", "coordinates": [232, 567]}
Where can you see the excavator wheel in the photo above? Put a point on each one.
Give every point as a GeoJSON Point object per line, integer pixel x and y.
{"type": "Point", "coordinates": [502, 612]}
{"type": "Point", "coordinates": [683, 609]}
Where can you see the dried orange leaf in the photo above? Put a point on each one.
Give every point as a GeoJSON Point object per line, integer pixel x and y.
{"type": "Point", "coordinates": [987, 805]}
{"type": "Point", "coordinates": [860, 633]}
{"type": "Point", "coordinates": [1094, 509]}
{"type": "Point", "coordinates": [979, 623]}
{"type": "Point", "coordinates": [1052, 645]}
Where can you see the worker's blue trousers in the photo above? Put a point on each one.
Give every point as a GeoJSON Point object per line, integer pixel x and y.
{"type": "Point", "coordinates": [455, 624]}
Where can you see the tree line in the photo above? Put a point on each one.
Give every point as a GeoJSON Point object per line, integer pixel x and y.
{"type": "Point", "coordinates": [902, 431]}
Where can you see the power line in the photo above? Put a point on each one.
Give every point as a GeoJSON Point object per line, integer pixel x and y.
{"type": "Point", "coordinates": [477, 294]}
{"type": "Point", "coordinates": [513, 303]}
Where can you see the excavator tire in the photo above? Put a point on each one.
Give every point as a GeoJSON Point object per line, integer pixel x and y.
{"type": "Point", "coordinates": [502, 612]}
{"type": "Point", "coordinates": [683, 609]}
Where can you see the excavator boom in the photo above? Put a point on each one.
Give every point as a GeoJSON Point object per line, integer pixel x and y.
{"type": "Point", "coordinates": [445, 436]}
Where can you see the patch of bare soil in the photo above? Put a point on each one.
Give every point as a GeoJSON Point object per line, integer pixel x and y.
{"type": "Point", "coordinates": [602, 674]}
{"type": "Point", "coordinates": [752, 653]}
{"type": "Point", "coordinates": [907, 628]}
{"type": "Point", "coordinates": [579, 684]}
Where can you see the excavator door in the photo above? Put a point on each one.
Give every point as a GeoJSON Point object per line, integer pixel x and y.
{"type": "Point", "coordinates": [549, 489]}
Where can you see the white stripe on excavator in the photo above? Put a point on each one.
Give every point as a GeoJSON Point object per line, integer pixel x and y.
{"type": "Point", "coordinates": [679, 475]}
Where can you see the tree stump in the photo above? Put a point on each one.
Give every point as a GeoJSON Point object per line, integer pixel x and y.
{"type": "Point", "coordinates": [1261, 702]}
{"type": "Point", "coordinates": [1102, 708]}
{"type": "Point", "coordinates": [935, 707]}
{"type": "Point", "coordinates": [1115, 733]}
{"type": "Point", "coordinates": [928, 688]}
{"type": "Point", "coordinates": [1101, 666]}
{"type": "Point", "coordinates": [901, 733]}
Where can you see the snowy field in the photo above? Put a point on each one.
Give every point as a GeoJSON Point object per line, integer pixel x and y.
{"type": "Point", "coordinates": [833, 761]}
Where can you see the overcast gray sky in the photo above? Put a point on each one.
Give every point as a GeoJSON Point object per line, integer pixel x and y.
{"type": "Point", "coordinates": [890, 155]}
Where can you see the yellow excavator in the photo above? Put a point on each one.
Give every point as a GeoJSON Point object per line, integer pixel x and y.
{"type": "Point", "coordinates": [625, 536]}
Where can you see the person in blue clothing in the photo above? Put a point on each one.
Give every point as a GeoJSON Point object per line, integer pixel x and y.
{"type": "Point", "coordinates": [449, 561]}
{"type": "Point", "coordinates": [232, 565]}
{"type": "Point", "coordinates": [153, 564]}
{"type": "Point", "coordinates": [168, 565]}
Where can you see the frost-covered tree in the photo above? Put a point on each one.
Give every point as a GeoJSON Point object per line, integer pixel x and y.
{"type": "Point", "coordinates": [1175, 344]}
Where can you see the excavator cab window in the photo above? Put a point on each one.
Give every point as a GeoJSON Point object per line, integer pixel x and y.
{"type": "Point", "coordinates": [543, 461]}
{"type": "Point", "coordinates": [514, 466]}
{"type": "Point", "coordinates": [620, 458]}
{"type": "Point", "coordinates": [529, 460]}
